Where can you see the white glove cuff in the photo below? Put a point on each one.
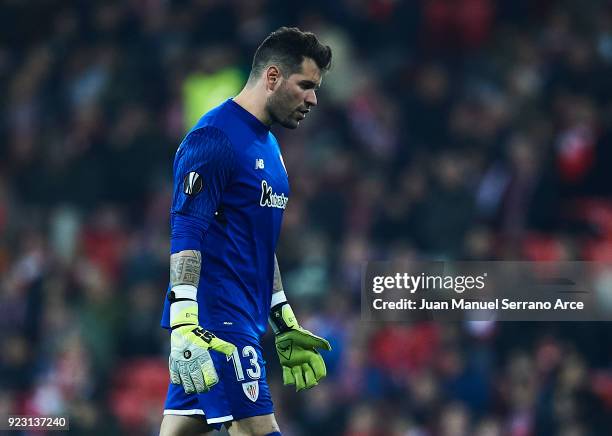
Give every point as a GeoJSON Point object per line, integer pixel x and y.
{"type": "Point", "coordinates": [185, 291]}
{"type": "Point", "coordinates": [278, 298]}
{"type": "Point", "coordinates": [178, 308]}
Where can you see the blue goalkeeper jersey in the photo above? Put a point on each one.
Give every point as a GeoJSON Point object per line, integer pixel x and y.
{"type": "Point", "coordinates": [230, 183]}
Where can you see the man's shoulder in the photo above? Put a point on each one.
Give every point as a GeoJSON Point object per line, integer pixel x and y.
{"type": "Point", "coordinates": [205, 138]}
{"type": "Point", "coordinates": [219, 118]}
{"type": "Point", "coordinates": [205, 142]}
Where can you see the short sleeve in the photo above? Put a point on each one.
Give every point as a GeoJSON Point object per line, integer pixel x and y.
{"type": "Point", "coordinates": [203, 168]}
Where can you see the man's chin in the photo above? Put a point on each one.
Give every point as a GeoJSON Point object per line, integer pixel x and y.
{"type": "Point", "coordinates": [290, 124]}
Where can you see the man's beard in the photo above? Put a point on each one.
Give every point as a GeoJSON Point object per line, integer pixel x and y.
{"type": "Point", "coordinates": [278, 106]}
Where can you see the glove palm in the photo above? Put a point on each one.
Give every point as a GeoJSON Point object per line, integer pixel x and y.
{"type": "Point", "coordinates": [302, 364]}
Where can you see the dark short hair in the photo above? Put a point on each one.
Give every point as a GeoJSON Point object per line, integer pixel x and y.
{"type": "Point", "coordinates": [287, 47]}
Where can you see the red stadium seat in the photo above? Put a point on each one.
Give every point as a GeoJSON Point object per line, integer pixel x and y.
{"type": "Point", "coordinates": [139, 389]}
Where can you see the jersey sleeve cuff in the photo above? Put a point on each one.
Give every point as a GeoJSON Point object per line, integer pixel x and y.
{"type": "Point", "coordinates": [179, 244]}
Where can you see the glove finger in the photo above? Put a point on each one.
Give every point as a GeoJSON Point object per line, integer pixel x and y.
{"type": "Point", "coordinates": [222, 346]}
{"type": "Point", "coordinates": [299, 378]}
{"type": "Point", "coordinates": [288, 378]}
{"type": "Point", "coordinates": [186, 378]}
{"type": "Point", "coordinates": [197, 377]}
{"type": "Point", "coordinates": [208, 371]}
{"type": "Point", "coordinates": [188, 385]}
{"type": "Point", "coordinates": [309, 376]}
{"type": "Point", "coordinates": [306, 339]}
{"type": "Point", "coordinates": [322, 343]}
{"type": "Point", "coordinates": [175, 378]}
{"type": "Point", "coordinates": [318, 365]}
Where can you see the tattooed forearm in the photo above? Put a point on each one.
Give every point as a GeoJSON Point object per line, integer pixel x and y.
{"type": "Point", "coordinates": [278, 283]}
{"type": "Point", "coordinates": [185, 268]}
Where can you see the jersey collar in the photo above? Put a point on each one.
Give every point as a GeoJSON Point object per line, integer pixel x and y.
{"type": "Point", "coordinates": [257, 126]}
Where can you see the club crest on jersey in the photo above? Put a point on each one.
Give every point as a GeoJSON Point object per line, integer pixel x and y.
{"type": "Point", "coordinates": [192, 184]}
{"type": "Point", "coordinates": [251, 390]}
{"type": "Point", "coordinates": [271, 199]}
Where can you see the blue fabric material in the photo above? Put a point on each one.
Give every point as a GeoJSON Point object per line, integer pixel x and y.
{"type": "Point", "coordinates": [233, 217]}
{"type": "Point", "coordinates": [186, 232]}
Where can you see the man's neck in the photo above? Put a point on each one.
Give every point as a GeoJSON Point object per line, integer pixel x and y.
{"type": "Point", "coordinates": [251, 101]}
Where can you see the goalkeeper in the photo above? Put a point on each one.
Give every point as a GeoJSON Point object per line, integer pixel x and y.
{"type": "Point", "coordinates": [230, 191]}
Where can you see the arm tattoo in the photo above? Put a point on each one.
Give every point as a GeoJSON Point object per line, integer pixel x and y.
{"type": "Point", "coordinates": [278, 283]}
{"type": "Point", "coordinates": [185, 268]}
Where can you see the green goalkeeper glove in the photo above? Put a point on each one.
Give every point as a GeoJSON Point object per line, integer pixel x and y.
{"type": "Point", "coordinates": [302, 364]}
{"type": "Point", "coordinates": [190, 362]}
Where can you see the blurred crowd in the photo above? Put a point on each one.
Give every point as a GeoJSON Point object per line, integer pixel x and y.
{"type": "Point", "coordinates": [447, 129]}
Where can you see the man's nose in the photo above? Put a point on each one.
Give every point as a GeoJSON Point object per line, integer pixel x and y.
{"type": "Point", "coordinates": [311, 98]}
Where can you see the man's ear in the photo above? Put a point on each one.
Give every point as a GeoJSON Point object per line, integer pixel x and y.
{"type": "Point", "coordinates": [273, 76]}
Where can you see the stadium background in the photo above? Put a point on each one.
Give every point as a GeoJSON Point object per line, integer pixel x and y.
{"type": "Point", "coordinates": [465, 129]}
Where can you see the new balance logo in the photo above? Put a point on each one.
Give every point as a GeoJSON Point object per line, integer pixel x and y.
{"type": "Point", "coordinates": [259, 164]}
{"type": "Point", "coordinates": [270, 199]}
